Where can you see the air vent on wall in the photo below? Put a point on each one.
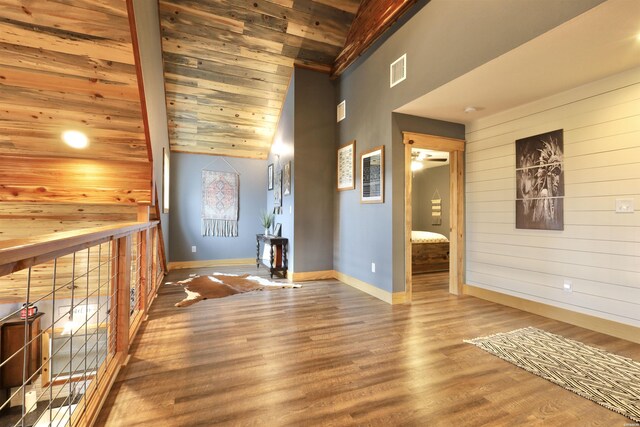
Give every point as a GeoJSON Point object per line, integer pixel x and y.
{"type": "Point", "coordinates": [398, 70]}
{"type": "Point", "coordinates": [342, 110]}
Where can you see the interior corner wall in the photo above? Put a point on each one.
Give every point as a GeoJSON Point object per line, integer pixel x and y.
{"type": "Point", "coordinates": [186, 200]}
{"type": "Point", "coordinates": [442, 40]}
{"type": "Point", "coordinates": [599, 250]}
{"type": "Point", "coordinates": [283, 143]}
{"type": "Point", "coordinates": [428, 183]}
{"type": "Point", "coordinates": [314, 170]}
{"type": "Point", "coordinates": [148, 30]}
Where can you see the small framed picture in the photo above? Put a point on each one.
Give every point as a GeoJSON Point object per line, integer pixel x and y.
{"type": "Point", "coordinates": [372, 175]}
{"type": "Point", "coordinates": [346, 166]}
{"type": "Point", "coordinates": [278, 230]}
{"type": "Point", "coordinates": [270, 177]}
{"type": "Point", "coordinates": [286, 179]}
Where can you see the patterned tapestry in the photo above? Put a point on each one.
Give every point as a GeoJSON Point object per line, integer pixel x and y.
{"type": "Point", "coordinates": [220, 203]}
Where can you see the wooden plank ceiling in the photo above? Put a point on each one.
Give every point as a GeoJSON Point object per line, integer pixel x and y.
{"type": "Point", "coordinates": [227, 64]}
{"type": "Point", "coordinates": [69, 65]}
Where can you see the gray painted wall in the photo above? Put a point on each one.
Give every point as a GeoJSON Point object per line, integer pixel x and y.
{"type": "Point", "coordinates": [305, 136]}
{"type": "Point", "coordinates": [315, 171]}
{"type": "Point", "coordinates": [148, 28]}
{"type": "Point", "coordinates": [186, 176]}
{"type": "Point", "coordinates": [425, 184]}
{"type": "Point", "coordinates": [282, 152]}
{"type": "Point", "coordinates": [443, 40]}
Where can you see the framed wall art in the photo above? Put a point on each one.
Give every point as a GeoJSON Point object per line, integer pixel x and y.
{"type": "Point", "coordinates": [277, 188]}
{"type": "Point", "coordinates": [540, 181]}
{"type": "Point", "coordinates": [286, 179]}
{"type": "Point", "coordinates": [347, 166]}
{"type": "Point", "coordinates": [372, 175]}
{"type": "Point", "coordinates": [270, 177]}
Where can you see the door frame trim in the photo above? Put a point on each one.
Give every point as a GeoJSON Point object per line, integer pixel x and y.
{"type": "Point", "coordinates": [455, 148]}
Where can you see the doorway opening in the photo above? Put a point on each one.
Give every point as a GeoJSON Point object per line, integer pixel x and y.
{"type": "Point", "coordinates": [432, 255]}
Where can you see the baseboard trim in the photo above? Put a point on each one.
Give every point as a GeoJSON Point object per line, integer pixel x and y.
{"type": "Point", "coordinates": [399, 297]}
{"type": "Point", "coordinates": [365, 287]}
{"type": "Point", "coordinates": [308, 276]}
{"type": "Point", "coordinates": [609, 327]}
{"type": "Point", "coordinates": [210, 263]}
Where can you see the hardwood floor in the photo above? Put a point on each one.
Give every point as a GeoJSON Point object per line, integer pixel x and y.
{"type": "Point", "coordinates": [328, 354]}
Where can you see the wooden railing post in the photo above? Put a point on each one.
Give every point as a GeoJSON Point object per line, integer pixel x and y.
{"type": "Point", "coordinates": [123, 295]}
{"type": "Point", "coordinates": [154, 259]}
{"type": "Point", "coordinates": [144, 270]}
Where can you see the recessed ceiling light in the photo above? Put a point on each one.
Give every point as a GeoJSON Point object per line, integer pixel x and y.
{"type": "Point", "coordinates": [75, 139]}
{"type": "Point", "coordinates": [470, 109]}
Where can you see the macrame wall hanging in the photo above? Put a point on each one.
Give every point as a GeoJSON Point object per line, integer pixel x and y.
{"type": "Point", "coordinates": [436, 208]}
{"type": "Point", "coordinates": [220, 200]}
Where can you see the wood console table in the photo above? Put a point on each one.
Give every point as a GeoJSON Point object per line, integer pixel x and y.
{"type": "Point", "coordinates": [277, 253]}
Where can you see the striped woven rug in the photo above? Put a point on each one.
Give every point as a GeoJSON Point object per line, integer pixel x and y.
{"type": "Point", "coordinates": [609, 380]}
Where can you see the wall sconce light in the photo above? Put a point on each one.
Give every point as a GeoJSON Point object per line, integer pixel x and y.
{"type": "Point", "coordinates": [278, 148]}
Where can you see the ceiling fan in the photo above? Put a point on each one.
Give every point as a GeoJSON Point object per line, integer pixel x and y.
{"type": "Point", "coordinates": [424, 156]}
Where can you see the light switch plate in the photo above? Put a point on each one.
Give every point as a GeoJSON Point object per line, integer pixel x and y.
{"type": "Point", "coordinates": [193, 248]}
{"type": "Point", "coordinates": [624, 206]}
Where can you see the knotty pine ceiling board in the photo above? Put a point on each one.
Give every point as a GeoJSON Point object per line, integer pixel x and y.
{"type": "Point", "coordinates": [69, 65]}
{"type": "Point", "coordinates": [227, 65]}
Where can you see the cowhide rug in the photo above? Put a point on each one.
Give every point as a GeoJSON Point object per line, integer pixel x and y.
{"type": "Point", "coordinates": [219, 285]}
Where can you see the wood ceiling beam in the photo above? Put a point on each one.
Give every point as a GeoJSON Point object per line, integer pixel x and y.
{"type": "Point", "coordinates": [374, 17]}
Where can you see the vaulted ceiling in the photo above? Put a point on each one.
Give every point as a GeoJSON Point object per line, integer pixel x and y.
{"type": "Point", "coordinates": [227, 64]}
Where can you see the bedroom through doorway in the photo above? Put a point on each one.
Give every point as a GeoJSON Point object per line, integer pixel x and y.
{"type": "Point", "coordinates": [431, 202]}
{"type": "Point", "coordinates": [434, 211]}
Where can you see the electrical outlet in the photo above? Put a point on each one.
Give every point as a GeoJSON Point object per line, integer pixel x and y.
{"type": "Point", "coordinates": [373, 267]}
{"type": "Point", "coordinates": [193, 248]}
{"type": "Point", "coordinates": [567, 286]}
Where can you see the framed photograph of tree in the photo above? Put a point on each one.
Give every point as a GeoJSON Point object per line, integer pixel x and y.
{"type": "Point", "coordinates": [540, 181]}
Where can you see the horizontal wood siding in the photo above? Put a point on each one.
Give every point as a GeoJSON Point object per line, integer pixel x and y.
{"type": "Point", "coordinates": [599, 249]}
{"type": "Point", "coordinates": [24, 220]}
{"type": "Point", "coordinates": [21, 220]}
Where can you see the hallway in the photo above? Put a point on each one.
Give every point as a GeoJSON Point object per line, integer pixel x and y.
{"type": "Point", "coordinates": [327, 354]}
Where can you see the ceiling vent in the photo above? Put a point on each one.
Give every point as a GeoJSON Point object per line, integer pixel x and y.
{"type": "Point", "coordinates": [342, 111]}
{"type": "Point", "coordinates": [398, 70]}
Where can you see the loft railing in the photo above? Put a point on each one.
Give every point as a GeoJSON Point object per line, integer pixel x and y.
{"type": "Point", "coordinates": [83, 296]}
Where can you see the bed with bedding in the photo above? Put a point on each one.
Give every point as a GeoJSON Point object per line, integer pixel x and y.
{"type": "Point", "coordinates": [429, 252]}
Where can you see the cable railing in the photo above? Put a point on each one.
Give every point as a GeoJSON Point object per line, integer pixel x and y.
{"type": "Point", "coordinates": [70, 304]}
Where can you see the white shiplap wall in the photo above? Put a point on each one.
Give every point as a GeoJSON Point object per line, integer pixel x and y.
{"type": "Point", "coordinates": [599, 250]}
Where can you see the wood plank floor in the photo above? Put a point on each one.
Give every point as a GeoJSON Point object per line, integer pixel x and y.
{"type": "Point", "coordinates": [327, 354]}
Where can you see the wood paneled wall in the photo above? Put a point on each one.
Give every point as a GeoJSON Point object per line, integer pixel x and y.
{"type": "Point", "coordinates": [599, 249]}
{"type": "Point", "coordinates": [69, 65]}
{"type": "Point", "coordinates": [20, 220]}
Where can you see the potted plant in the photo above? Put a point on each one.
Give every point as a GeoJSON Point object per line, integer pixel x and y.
{"type": "Point", "coordinates": [266, 220]}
